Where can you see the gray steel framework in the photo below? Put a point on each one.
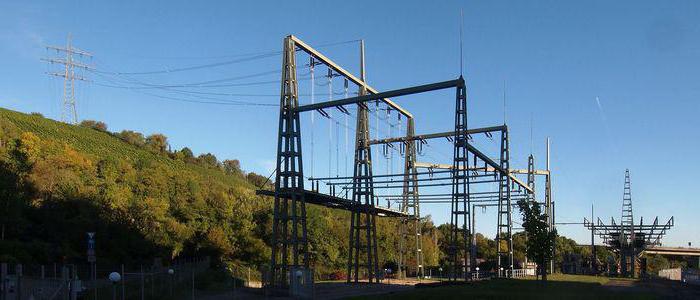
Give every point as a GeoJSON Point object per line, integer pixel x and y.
{"type": "Point", "coordinates": [411, 206]}
{"type": "Point", "coordinates": [289, 206]}
{"type": "Point", "coordinates": [505, 222]}
{"type": "Point", "coordinates": [290, 249]}
{"type": "Point", "coordinates": [460, 216]}
{"type": "Point", "coordinates": [289, 232]}
{"type": "Point", "coordinates": [627, 239]}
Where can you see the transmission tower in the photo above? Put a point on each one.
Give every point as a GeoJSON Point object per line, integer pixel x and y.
{"type": "Point", "coordinates": [70, 63]}
{"type": "Point", "coordinates": [289, 236]}
{"type": "Point", "coordinates": [363, 223]}
{"type": "Point", "coordinates": [460, 222]}
{"type": "Point", "coordinates": [627, 237]}
{"type": "Point", "coordinates": [504, 238]}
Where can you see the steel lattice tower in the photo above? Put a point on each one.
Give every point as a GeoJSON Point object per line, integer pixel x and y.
{"type": "Point", "coordinates": [411, 205]}
{"type": "Point", "coordinates": [504, 230]}
{"type": "Point", "coordinates": [289, 222]}
{"type": "Point", "coordinates": [69, 113]}
{"type": "Point", "coordinates": [363, 223]}
{"type": "Point", "coordinates": [531, 177]}
{"type": "Point", "coordinates": [627, 238]}
{"type": "Point", "coordinates": [460, 220]}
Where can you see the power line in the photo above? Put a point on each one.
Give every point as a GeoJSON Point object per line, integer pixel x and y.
{"type": "Point", "coordinates": [196, 67]}
{"type": "Point", "coordinates": [215, 100]}
{"type": "Point", "coordinates": [237, 54]}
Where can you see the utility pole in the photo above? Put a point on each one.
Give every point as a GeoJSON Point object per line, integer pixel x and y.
{"type": "Point", "coordinates": [70, 63]}
{"type": "Point", "coordinates": [549, 204]}
{"type": "Point", "coordinates": [594, 262]}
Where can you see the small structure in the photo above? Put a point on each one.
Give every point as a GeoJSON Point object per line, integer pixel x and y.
{"type": "Point", "coordinates": [628, 239]}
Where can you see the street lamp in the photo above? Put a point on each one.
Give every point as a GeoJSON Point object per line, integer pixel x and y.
{"type": "Point", "coordinates": [114, 277]}
{"type": "Point", "coordinates": [500, 274]}
{"type": "Point", "coordinates": [440, 273]}
{"type": "Point", "coordinates": [298, 273]}
{"type": "Point", "coordinates": [171, 272]}
{"type": "Point", "coordinates": [477, 273]}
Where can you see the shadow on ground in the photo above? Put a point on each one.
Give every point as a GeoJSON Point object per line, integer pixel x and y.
{"type": "Point", "coordinates": [560, 289]}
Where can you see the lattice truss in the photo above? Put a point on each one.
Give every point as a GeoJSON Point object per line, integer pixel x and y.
{"type": "Point", "coordinates": [389, 172]}
{"type": "Point", "coordinates": [627, 234]}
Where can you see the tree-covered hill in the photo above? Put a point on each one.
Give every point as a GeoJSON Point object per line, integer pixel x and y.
{"type": "Point", "coordinates": [60, 181]}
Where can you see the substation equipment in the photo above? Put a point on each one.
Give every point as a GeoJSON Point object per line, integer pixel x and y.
{"type": "Point", "coordinates": [470, 167]}
{"type": "Point", "coordinates": [627, 239]}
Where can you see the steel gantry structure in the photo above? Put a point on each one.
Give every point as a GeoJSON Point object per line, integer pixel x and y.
{"type": "Point", "coordinates": [628, 239]}
{"type": "Point", "coordinates": [517, 190]}
{"type": "Point", "coordinates": [470, 166]}
{"type": "Point", "coordinates": [289, 232]}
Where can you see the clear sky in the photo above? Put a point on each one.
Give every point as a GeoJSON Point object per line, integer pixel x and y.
{"type": "Point", "coordinates": [640, 58]}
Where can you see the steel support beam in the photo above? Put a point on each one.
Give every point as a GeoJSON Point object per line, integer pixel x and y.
{"type": "Point", "coordinates": [436, 135]}
{"type": "Point", "coordinates": [340, 70]}
{"type": "Point", "coordinates": [487, 169]}
{"type": "Point", "coordinates": [378, 96]}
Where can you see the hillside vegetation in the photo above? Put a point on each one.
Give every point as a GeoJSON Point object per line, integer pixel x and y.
{"type": "Point", "coordinates": [60, 181]}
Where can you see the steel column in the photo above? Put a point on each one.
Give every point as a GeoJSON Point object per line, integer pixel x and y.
{"type": "Point", "coordinates": [460, 221]}
{"type": "Point", "coordinates": [363, 228]}
{"type": "Point", "coordinates": [504, 229]}
{"type": "Point", "coordinates": [289, 205]}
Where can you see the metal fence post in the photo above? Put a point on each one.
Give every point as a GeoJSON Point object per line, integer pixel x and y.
{"type": "Point", "coordinates": [192, 268]}
{"type": "Point", "coordinates": [123, 283]}
{"type": "Point", "coordinates": [143, 296]}
{"type": "Point", "coordinates": [153, 280]}
{"type": "Point", "coordinates": [18, 286]}
{"type": "Point", "coordinates": [65, 280]}
{"type": "Point", "coordinates": [3, 280]}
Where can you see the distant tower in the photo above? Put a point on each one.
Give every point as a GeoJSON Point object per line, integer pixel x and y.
{"type": "Point", "coordinates": [70, 62]}
{"type": "Point", "coordinates": [627, 218]}
{"type": "Point", "coordinates": [627, 238]}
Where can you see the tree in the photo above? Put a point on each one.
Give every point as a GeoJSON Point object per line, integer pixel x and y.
{"type": "Point", "coordinates": [97, 125]}
{"type": "Point", "coordinates": [257, 180]}
{"type": "Point", "coordinates": [540, 240]}
{"type": "Point", "coordinates": [208, 160]}
{"type": "Point", "coordinates": [157, 143]}
{"type": "Point", "coordinates": [232, 166]}
{"type": "Point", "coordinates": [132, 137]}
{"type": "Point", "coordinates": [187, 153]}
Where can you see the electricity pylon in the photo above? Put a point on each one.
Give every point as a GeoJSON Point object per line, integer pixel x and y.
{"type": "Point", "coordinates": [70, 62]}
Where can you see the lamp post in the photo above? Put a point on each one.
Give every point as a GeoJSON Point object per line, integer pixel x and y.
{"type": "Point", "coordinates": [171, 274]}
{"type": "Point", "coordinates": [114, 277]}
{"type": "Point", "coordinates": [500, 273]}
{"type": "Point", "coordinates": [477, 273]}
{"type": "Point", "coordinates": [440, 274]}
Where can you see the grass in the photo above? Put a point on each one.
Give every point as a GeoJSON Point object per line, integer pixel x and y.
{"type": "Point", "coordinates": [558, 287]}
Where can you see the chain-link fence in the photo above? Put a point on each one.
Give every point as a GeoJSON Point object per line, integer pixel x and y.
{"type": "Point", "coordinates": [70, 282]}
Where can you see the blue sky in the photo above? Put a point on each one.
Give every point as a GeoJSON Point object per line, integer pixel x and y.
{"type": "Point", "coordinates": [641, 58]}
